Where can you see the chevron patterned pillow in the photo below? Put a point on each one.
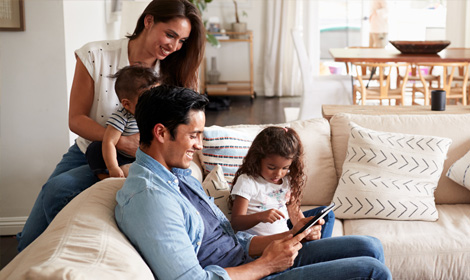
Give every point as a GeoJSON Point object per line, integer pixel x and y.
{"type": "Point", "coordinates": [390, 175]}
{"type": "Point", "coordinates": [459, 172]}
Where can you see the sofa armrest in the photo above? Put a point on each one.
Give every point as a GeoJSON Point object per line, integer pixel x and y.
{"type": "Point", "coordinates": [82, 242]}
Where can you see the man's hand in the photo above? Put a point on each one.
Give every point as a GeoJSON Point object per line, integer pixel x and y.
{"type": "Point", "coordinates": [280, 254]}
{"type": "Point", "coordinates": [315, 232]}
{"type": "Point", "coordinates": [270, 216]}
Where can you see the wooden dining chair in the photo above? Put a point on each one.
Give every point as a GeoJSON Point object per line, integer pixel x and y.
{"type": "Point", "coordinates": [367, 72]}
{"type": "Point", "coordinates": [460, 75]}
{"type": "Point", "coordinates": [415, 79]}
{"type": "Point", "coordinates": [378, 87]}
{"type": "Point", "coordinates": [455, 88]}
{"type": "Point", "coordinates": [349, 64]}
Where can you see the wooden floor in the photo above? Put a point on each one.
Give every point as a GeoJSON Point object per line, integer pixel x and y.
{"type": "Point", "coordinates": [263, 110]}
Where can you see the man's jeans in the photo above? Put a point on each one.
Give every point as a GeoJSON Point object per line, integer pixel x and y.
{"type": "Point", "coordinates": [346, 257]}
{"type": "Point", "coordinates": [71, 176]}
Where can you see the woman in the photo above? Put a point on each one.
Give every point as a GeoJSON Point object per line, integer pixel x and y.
{"type": "Point", "coordinates": [169, 37]}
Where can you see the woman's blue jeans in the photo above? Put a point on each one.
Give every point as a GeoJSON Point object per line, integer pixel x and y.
{"type": "Point", "coordinates": [345, 257]}
{"type": "Point", "coordinates": [71, 176]}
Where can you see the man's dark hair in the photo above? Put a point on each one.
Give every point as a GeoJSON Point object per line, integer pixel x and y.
{"type": "Point", "coordinates": [132, 80]}
{"type": "Point", "coordinates": [168, 105]}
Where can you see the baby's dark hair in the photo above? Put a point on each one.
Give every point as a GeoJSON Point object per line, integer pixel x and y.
{"type": "Point", "coordinates": [281, 141]}
{"type": "Point", "coordinates": [133, 80]}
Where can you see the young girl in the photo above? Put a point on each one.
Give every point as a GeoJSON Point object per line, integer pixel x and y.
{"type": "Point", "coordinates": [267, 188]}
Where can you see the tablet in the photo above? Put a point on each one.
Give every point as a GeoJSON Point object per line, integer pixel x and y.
{"type": "Point", "coordinates": [317, 217]}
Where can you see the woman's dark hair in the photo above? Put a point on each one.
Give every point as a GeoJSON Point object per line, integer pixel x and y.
{"type": "Point", "coordinates": [281, 141]}
{"type": "Point", "coordinates": [179, 68]}
{"type": "Point", "coordinates": [168, 105]}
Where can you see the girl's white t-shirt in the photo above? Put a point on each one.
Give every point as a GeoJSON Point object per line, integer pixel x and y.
{"type": "Point", "coordinates": [263, 195]}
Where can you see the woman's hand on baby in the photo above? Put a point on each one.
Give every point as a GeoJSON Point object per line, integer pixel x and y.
{"type": "Point", "coordinates": [129, 144]}
{"type": "Point", "coordinates": [116, 172]}
{"type": "Point", "coordinates": [271, 215]}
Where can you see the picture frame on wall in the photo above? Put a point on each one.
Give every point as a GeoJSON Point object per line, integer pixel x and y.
{"type": "Point", "coordinates": [12, 15]}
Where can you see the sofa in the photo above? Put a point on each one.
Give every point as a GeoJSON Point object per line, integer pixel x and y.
{"type": "Point", "coordinates": [84, 242]}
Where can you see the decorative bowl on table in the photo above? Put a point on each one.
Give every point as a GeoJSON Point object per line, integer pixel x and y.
{"type": "Point", "coordinates": [420, 47]}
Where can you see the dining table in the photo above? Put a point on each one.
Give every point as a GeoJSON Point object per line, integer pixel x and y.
{"type": "Point", "coordinates": [393, 55]}
{"type": "Point", "coordinates": [387, 55]}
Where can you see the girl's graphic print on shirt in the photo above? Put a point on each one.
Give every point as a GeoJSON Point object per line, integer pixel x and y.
{"type": "Point", "coordinates": [277, 195]}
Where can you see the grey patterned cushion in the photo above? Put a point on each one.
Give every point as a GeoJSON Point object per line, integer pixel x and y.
{"type": "Point", "coordinates": [459, 172]}
{"type": "Point", "coordinates": [390, 175]}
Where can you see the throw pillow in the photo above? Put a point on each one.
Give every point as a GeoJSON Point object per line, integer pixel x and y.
{"type": "Point", "coordinates": [217, 187]}
{"type": "Point", "coordinates": [226, 148]}
{"type": "Point", "coordinates": [459, 171]}
{"type": "Point", "coordinates": [390, 175]}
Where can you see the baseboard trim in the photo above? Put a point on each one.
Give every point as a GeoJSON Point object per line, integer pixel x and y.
{"type": "Point", "coordinates": [11, 225]}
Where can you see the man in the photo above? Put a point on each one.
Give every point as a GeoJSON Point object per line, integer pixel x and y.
{"type": "Point", "coordinates": [180, 232]}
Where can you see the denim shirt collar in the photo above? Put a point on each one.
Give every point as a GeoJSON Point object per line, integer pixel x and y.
{"type": "Point", "coordinates": [157, 168]}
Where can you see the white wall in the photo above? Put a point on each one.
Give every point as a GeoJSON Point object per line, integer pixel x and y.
{"type": "Point", "coordinates": [78, 31]}
{"type": "Point", "coordinates": [458, 23]}
{"type": "Point", "coordinates": [33, 108]}
{"type": "Point", "coordinates": [36, 70]}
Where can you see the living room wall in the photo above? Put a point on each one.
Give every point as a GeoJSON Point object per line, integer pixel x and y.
{"type": "Point", "coordinates": [36, 70]}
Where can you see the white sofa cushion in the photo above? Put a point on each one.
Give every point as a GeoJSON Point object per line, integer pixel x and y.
{"type": "Point", "coordinates": [459, 172]}
{"type": "Point", "coordinates": [390, 175]}
{"type": "Point", "coordinates": [82, 242]}
{"type": "Point", "coordinates": [423, 250]}
{"type": "Point", "coordinates": [442, 125]}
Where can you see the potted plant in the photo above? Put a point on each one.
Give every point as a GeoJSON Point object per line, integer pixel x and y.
{"type": "Point", "coordinates": [238, 26]}
{"type": "Point", "coordinates": [202, 6]}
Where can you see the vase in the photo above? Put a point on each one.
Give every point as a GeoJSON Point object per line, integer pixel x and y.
{"type": "Point", "coordinates": [213, 74]}
{"type": "Point", "coordinates": [239, 27]}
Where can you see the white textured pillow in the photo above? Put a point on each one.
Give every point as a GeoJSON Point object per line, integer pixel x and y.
{"type": "Point", "coordinates": [217, 187]}
{"type": "Point", "coordinates": [459, 172]}
{"type": "Point", "coordinates": [390, 175]}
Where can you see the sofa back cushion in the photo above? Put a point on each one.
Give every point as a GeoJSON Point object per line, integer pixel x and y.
{"type": "Point", "coordinates": [442, 125]}
{"type": "Point", "coordinates": [82, 242]}
{"type": "Point", "coordinates": [319, 165]}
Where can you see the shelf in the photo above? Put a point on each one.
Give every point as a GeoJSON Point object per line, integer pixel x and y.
{"type": "Point", "coordinates": [233, 87]}
{"type": "Point", "coordinates": [248, 34]}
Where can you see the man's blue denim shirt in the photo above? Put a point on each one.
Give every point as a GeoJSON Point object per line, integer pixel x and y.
{"type": "Point", "coordinates": [163, 225]}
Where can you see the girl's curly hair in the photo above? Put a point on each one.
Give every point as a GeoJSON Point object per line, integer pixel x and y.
{"type": "Point", "coordinates": [281, 141]}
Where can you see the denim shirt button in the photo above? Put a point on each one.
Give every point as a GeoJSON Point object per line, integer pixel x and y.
{"type": "Point", "coordinates": [197, 212]}
{"type": "Point", "coordinates": [198, 243]}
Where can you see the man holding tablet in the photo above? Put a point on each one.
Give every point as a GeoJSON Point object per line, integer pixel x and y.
{"type": "Point", "coordinates": [182, 234]}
